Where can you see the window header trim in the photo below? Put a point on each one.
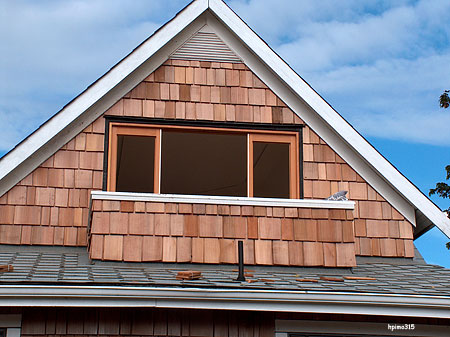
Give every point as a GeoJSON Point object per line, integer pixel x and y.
{"type": "Point", "coordinates": [203, 124]}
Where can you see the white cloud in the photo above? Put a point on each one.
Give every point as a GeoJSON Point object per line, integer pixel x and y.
{"type": "Point", "coordinates": [398, 32]}
{"type": "Point", "coordinates": [277, 20]}
{"type": "Point", "coordinates": [377, 63]}
{"type": "Point", "coordinates": [392, 98]}
{"type": "Point", "coordinates": [374, 61]}
{"type": "Point", "coordinates": [52, 50]}
{"type": "Point", "coordinates": [407, 126]}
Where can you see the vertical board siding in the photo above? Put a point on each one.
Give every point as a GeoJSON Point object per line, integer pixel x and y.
{"type": "Point", "coordinates": [146, 322]}
{"type": "Point", "coordinates": [50, 205]}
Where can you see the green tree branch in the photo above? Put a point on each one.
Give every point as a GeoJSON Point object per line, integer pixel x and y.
{"type": "Point", "coordinates": [444, 99]}
{"type": "Point", "coordinates": [442, 189]}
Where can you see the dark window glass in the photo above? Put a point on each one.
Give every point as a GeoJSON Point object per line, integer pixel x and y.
{"type": "Point", "coordinates": [202, 163]}
{"type": "Point", "coordinates": [271, 170]}
{"type": "Point", "coordinates": [135, 164]}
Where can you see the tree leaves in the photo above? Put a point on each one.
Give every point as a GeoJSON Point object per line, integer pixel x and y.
{"type": "Point", "coordinates": [442, 189]}
{"type": "Point", "coordinates": [444, 99]}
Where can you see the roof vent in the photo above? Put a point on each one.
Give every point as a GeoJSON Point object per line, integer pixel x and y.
{"type": "Point", "coordinates": [205, 46]}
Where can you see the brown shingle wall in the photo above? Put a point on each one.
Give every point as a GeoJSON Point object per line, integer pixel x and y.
{"type": "Point", "coordinates": [50, 206]}
{"type": "Point", "coordinates": [380, 229]}
{"type": "Point", "coordinates": [196, 90]}
{"type": "Point", "coordinates": [168, 232]}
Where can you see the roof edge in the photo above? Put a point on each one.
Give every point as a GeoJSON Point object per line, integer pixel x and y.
{"type": "Point", "coordinates": [229, 299]}
{"type": "Point", "coordinates": [299, 86]}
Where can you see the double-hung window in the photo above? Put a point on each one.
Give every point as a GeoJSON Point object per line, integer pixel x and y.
{"type": "Point", "coordinates": [203, 161]}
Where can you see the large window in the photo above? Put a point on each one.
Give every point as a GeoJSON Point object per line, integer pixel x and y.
{"type": "Point", "coordinates": [202, 161]}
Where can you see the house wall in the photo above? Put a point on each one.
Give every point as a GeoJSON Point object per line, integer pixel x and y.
{"type": "Point", "coordinates": [145, 322]}
{"type": "Point", "coordinates": [200, 323]}
{"type": "Point", "coordinates": [50, 206]}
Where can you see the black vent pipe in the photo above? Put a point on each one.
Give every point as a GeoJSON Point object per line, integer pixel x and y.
{"type": "Point", "coordinates": [241, 276]}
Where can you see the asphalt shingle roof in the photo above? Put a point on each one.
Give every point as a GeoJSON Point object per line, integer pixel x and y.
{"type": "Point", "coordinates": [61, 267]}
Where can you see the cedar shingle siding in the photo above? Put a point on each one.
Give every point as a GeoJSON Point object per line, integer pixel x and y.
{"type": "Point", "coordinates": [50, 206]}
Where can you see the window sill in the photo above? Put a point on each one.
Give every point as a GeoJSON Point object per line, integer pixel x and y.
{"type": "Point", "coordinates": [219, 200]}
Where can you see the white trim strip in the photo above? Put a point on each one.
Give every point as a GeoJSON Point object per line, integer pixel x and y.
{"type": "Point", "coordinates": [218, 200]}
{"type": "Point", "coordinates": [229, 299]}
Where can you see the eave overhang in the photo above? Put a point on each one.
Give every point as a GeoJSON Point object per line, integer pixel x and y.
{"type": "Point", "coordinates": [225, 299]}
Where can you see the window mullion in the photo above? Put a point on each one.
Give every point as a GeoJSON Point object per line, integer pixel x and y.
{"type": "Point", "coordinates": [249, 165]}
{"type": "Point", "coordinates": [158, 152]}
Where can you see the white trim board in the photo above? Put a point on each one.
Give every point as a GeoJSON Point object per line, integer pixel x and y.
{"type": "Point", "coordinates": [267, 65]}
{"type": "Point", "coordinates": [218, 200]}
{"type": "Point", "coordinates": [225, 299]}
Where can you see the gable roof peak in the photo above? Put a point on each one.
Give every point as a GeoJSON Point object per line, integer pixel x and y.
{"type": "Point", "coordinates": [266, 64]}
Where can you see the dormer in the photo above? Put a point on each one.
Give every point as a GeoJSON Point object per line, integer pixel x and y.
{"type": "Point", "coordinates": [200, 138]}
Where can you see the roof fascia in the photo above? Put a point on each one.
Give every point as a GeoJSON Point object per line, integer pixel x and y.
{"type": "Point", "coordinates": [382, 173]}
{"type": "Point", "coordinates": [69, 121]}
{"type": "Point", "coordinates": [229, 299]}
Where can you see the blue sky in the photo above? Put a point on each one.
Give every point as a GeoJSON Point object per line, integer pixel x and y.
{"type": "Point", "coordinates": [381, 64]}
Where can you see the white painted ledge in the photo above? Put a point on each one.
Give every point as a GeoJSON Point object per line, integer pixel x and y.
{"type": "Point", "coordinates": [218, 200]}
